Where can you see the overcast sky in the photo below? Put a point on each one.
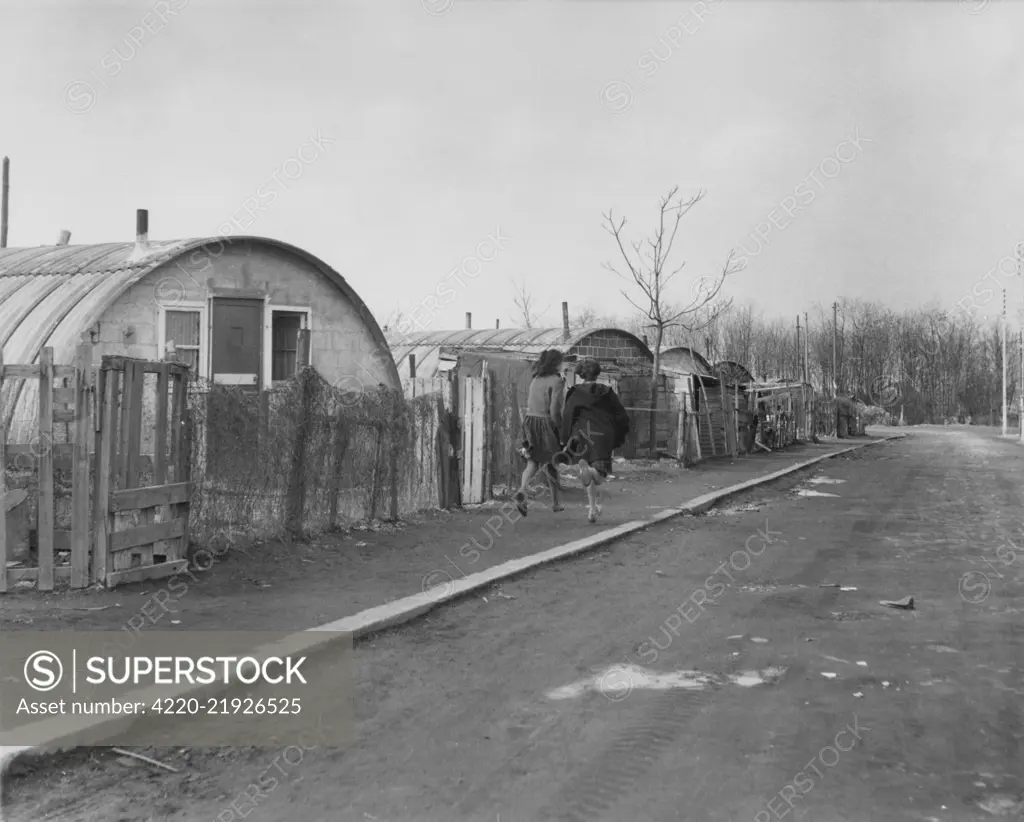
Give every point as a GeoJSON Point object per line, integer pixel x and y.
{"type": "Point", "coordinates": [442, 123]}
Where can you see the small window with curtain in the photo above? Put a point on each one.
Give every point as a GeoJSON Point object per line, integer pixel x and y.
{"type": "Point", "coordinates": [182, 328]}
{"type": "Point", "coordinates": [285, 344]}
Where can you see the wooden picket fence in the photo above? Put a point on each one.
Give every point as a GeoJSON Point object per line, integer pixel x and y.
{"type": "Point", "coordinates": [128, 522]}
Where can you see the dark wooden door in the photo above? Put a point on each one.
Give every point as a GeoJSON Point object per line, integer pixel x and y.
{"type": "Point", "coordinates": [233, 412]}
{"type": "Point", "coordinates": [237, 342]}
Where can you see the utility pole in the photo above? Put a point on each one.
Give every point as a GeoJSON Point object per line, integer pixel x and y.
{"type": "Point", "coordinates": [799, 349]}
{"type": "Point", "coordinates": [4, 197]}
{"type": "Point", "coordinates": [1004, 362]}
{"type": "Point", "coordinates": [835, 374]}
{"type": "Point", "coordinates": [807, 349]}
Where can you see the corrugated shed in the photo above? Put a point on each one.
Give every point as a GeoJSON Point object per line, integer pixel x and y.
{"type": "Point", "coordinates": [50, 295]}
{"type": "Point", "coordinates": [428, 346]}
{"type": "Point", "coordinates": [683, 360]}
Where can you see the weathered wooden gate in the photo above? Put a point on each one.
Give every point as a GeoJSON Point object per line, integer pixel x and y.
{"type": "Point", "coordinates": [141, 500]}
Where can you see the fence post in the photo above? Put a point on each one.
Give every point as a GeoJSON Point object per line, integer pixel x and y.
{"type": "Point", "coordinates": [80, 542]}
{"type": "Point", "coordinates": [397, 432]}
{"type": "Point", "coordinates": [44, 534]}
{"type": "Point", "coordinates": [340, 447]}
{"type": "Point", "coordinates": [297, 475]}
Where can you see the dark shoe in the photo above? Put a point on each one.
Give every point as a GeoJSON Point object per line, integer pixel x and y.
{"type": "Point", "coordinates": [520, 499]}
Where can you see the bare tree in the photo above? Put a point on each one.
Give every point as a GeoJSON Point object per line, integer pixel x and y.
{"type": "Point", "coordinates": [647, 264]}
{"type": "Point", "coordinates": [527, 314]}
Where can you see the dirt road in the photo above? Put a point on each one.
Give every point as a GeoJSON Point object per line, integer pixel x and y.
{"type": "Point", "coordinates": [698, 671]}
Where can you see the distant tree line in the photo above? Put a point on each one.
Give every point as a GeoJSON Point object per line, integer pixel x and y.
{"type": "Point", "coordinates": [928, 363]}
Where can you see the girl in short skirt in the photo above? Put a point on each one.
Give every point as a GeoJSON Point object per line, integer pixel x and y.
{"type": "Point", "coordinates": [541, 426]}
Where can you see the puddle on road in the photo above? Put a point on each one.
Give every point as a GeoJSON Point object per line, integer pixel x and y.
{"type": "Point", "coordinates": [619, 681]}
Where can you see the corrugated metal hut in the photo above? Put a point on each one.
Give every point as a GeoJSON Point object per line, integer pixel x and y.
{"type": "Point", "coordinates": [626, 361]}
{"type": "Point", "coordinates": [231, 307]}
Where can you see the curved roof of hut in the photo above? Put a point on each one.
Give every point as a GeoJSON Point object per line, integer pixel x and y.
{"type": "Point", "coordinates": [734, 372]}
{"type": "Point", "coordinates": [690, 360]}
{"type": "Point", "coordinates": [50, 295]}
{"type": "Point", "coordinates": [429, 346]}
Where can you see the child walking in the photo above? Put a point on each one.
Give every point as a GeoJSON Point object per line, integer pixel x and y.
{"type": "Point", "coordinates": [594, 424]}
{"type": "Point", "coordinates": [541, 426]}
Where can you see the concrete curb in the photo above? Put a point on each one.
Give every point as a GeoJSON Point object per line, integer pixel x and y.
{"type": "Point", "coordinates": [399, 611]}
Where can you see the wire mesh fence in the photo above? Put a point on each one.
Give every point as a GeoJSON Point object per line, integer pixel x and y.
{"type": "Point", "coordinates": [307, 458]}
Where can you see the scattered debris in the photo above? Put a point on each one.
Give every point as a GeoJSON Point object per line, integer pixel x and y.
{"type": "Point", "coordinates": [736, 636]}
{"type": "Point", "coordinates": [758, 639]}
{"type": "Point", "coordinates": [361, 545]}
{"type": "Point", "coordinates": [806, 492]}
{"type": "Point", "coordinates": [863, 664]}
{"type": "Point", "coordinates": [809, 639]}
{"type": "Point", "coordinates": [83, 608]}
{"type": "Point", "coordinates": [1000, 805]}
{"type": "Point", "coordinates": [907, 603]}
{"type": "Point", "coordinates": [14, 563]}
{"type": "Point", "coordinates": [885, 684]}
{"type": "Point", "coordinates": [825, 481]}
{"type": "Point", "coordinates": [175, 622]}
{"type": "Point", "coordinates": [847, 589]}
{"type": "Point", "coordinates": [858, 694]}
{"type": "Point", "coordinates": [943, 649]}
{"type": "Point", "coordinates": [836, 659]}
{"type": "Point", "coordinates": [829, 585]}
{"type": "Point", "coordinates": [830, 675]}
{"type": "Point", "coordinates": [142, 758]}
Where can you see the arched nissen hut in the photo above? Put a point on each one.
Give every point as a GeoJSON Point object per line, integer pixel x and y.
{"type": "Point", "coordinates": [233, 308]}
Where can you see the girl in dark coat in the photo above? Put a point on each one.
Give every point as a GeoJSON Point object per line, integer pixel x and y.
{"type": "Point", "coordinates": [594, 424]}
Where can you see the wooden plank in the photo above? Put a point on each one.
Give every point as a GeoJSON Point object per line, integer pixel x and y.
{"type": "Point", "coordinates": [66, 395]}
{"type": "Point", "coordinates": [131, 499]}
{"type": "Point", "coordinates": [479, 439]}
{"type": "Point", "coordinates": [179, 442]}
{"type": "Point", "coordinates": [124, 460]}
{"type": "Point", "coordinates": [46, 510]}
{"type": "Point", "coordinates": [146, 534]}
{"type": "Point", "coordinates": [160, 433]}
{"type": "Point", "coordinates": [63, 415]}
{"type": "Point", "coordinates": [487, 424]}
{"type": "Point", "coordinates": [59, 450]}
{"type": "Point", "coordinates": [183, 470]}
{"type": "Point", "coordinates": [21, 372]}
{"type": "Point", "coordinates": [467, 442]}
{"type": "Point", "coordinates": [3, 482]}
{"type": "Point", "coordinates": [161, 571]}
{"type": "Point", "coordinates": [16, 575]}
{"type": "Point", "coordinates": [80, 521]}
{"type": "Point", "coordinates": [105, 452]}
{"type": "Point", "coordinates": [61, 372]}
{"type": "Point", "coordinates": [135, 427]}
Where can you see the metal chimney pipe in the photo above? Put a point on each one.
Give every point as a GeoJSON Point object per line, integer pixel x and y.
{"type": "Point", "coordinates": [497, 323]}
{"type": "Point", "coordinates": [65, 237]}
{"type": "Point", "coordinates": [565, 322]}
{"type": "Point", "coordinates": [4, 196]}
{"type": "Point", "coordinates": [469, 319]}
{"type": "Point", "coordinates": [142, 228]}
